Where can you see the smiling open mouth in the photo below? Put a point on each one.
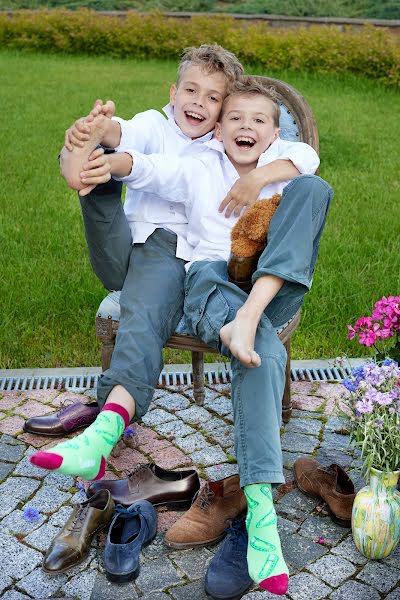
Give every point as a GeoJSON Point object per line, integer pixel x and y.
{"type": "Point", "coordinates": [244, 142]}
{"type": "Point", "coordinates": [194, 117]}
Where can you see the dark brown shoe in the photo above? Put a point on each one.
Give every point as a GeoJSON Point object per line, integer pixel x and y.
{"type": "Point", "coordinates": [68, 419]}
{"type": "Point", "coordinates": [240, 270]}
{"type": "Point", "coordinates": [175, 489]}
{"type": "Point", "coordinates": [332, 484]}
{"type": "Point", "coordinates": [218, 503]}
{"type": "Point", "coordinates": [71, 546]}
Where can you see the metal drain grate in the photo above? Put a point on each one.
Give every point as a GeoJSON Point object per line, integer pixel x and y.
{"type": "Point", "coordinates": [173, 376]}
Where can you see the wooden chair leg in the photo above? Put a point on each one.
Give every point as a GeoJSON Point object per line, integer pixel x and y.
{"type": "Point", "coordinates": [106, 332]}
{"type": "Point", "coordinates": [198, 377]}
{"type": "Point", "coordinates": [286, 401]}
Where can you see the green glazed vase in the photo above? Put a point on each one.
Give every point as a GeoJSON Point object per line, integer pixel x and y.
{"type": "Point", "coordinates": [375, 519]}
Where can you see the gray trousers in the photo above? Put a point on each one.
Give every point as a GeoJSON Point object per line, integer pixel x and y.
{"type": "Point", "coordinates": [152, 303]}
{"type": "Point", "coordinates": [212, 301]}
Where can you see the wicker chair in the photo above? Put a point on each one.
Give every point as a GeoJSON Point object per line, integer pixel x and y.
{"type": "Point", "coordinates": [297, 123]}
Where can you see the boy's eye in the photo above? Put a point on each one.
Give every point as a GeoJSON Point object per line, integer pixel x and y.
{"type": "Point", "coordinates": [259, 121]}
{"type": "Point", "coordinates": [234, 119]}
{"type": "Point", "coordinates": [189, 90]}
{"type": "Point", "coordinates": [214, 99]}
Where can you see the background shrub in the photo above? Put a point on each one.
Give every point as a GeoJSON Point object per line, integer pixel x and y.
{"type": "Point", "coordinates": [362, 51]}
{"type": "Point", "coordinates": [385, 9]}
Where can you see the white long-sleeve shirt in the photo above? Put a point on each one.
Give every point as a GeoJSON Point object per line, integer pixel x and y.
{"type": "Point", "coordinates": [201, 181]}
{"type": "Point", "coordinates": [150, 132]}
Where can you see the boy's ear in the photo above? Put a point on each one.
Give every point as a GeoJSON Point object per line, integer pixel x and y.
{"type": "Point", "coordinates": [277, 132]}
{"type": "Point", "coordinates": [218, 131]}
{"type": "Point", "coordinates": [172, 94]}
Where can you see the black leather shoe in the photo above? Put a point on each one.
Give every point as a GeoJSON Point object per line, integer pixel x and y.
{"type": "Point", "coordinates": [227, 576]}
{"type": "Point", "coordinates": [130, 530]}
{"type": "Point", "coordinates": [175, 489]}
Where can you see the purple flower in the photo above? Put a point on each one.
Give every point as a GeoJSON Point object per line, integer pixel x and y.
{"type": "Point", "coordinates": [364, 406]}
{"type": "Point", "coordinates": [31, 514]}
{"type": "Point", "coordinates": [383, 398]}
{"type": "Point", "coordinates": [350, 384]}
{"type": "Point", "coordinates": [379, 423]}
{"type": "Point", "coordinates": [358, 372]}
{"type": "Point", "coordinates": [129, 432]}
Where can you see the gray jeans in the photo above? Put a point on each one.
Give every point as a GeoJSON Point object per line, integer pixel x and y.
{"type": "Point", "coordinates": [152, 303]}
{"type": "Point", "coordinates": [212, 301]}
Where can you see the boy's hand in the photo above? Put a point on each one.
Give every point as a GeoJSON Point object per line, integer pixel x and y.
{"type": "Point", "coordinates": [97, 170]}
{"type": "Point", "coordinates": [243, 193]}
{"type": "Point", "coordinates": [77, 134]}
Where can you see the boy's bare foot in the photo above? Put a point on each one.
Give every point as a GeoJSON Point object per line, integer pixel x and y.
{"type": "Point", "coordinates": [71, 163]}
{"type": "Point", "coordinates": [239, 336]}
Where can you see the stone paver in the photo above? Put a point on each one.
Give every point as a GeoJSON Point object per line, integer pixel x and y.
{"type": "Point", "coordinates": [307, 587]}
{"type": "Point", "coordinates": [382, 577]}
{"type": "Point", "coordinates": [352, 590]}
{"type": "Point", "coordinates": [178, 434]}
{"type": "Point", "coordinates": [332, 569]}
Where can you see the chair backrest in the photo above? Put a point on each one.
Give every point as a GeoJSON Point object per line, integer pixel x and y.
{"type": "Point", "coordinates": [297, 121]}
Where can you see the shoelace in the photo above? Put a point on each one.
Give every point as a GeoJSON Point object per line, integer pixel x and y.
{"type": "Point", "coordinates": [203, 497]}
{"type": "Point", "coordinates": [64, 404]}
{"type": "Point", "coordinates": [80, 517]}
{"type": "Point", "coordinates": [137, 468]}
{"type": "Point", "coordinates": [237, 533]}
{"type": "Point", "coordinates": [127, 513]}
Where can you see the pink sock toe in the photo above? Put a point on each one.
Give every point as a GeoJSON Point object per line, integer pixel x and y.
{"type": "Point", "coordinates": [46, 460]}
{"type": "Point", "coordinates": [102, 469]}
{"type": "Point", "coordinates": [276, 585]}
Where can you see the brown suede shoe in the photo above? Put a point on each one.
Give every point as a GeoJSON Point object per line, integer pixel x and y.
{"type": "Point", "coordinates": [332, 484]}
{"type": "Point", "coordinates": [71, 546]}
{"type": "Point", "coordinates": [205, 522]}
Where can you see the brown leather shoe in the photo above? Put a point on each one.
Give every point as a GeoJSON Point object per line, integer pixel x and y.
{"type": "Point", "coordinates": [205, 522]}
{"type": "Point", "coordinates": [71, 546]}
{"type": "Point", "coordinates": [332, 484]}
{"type": "Point", "coordinates": [68, 419]}
{"type": "Point", "coordinates": [241, 268]}
{"type": "Point", "coordinates": [175, 489]}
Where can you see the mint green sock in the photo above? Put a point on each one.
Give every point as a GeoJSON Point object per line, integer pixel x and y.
{"type": "Point", "coordinates": [264, 552]}
{"type": "Point", "coordinates": [86, 454]}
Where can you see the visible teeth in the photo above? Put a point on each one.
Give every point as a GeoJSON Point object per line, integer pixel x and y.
{"type": "Point", "coordinates": [245, 139]}
{"type": "Point", "coordinates": [195, 115]}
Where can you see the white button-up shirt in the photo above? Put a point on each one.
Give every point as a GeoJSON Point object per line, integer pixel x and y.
{"type": "Point", "coordinates": [201, 181]}
{"type": "Point", "coordinates": [150, 132]}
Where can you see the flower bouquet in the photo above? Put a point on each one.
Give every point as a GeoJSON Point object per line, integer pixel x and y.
{"type": "Point", "coordinates": [373, 406]}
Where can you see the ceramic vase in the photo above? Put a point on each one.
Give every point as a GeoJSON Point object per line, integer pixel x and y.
{"type": "Point", "coordinates": [375, 519]}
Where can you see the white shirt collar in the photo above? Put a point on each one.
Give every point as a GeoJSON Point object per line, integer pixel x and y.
{"type": "Point", "coordinates": [169, 112]}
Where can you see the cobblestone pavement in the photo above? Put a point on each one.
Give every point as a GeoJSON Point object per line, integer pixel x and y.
{"type": "Point", "coordinates": [324, 562]}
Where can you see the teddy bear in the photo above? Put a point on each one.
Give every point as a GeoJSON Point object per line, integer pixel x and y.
{"type": "Point", "coordinates": [249, 238]}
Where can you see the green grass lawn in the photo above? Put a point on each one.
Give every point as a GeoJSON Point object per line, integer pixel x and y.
{"type": "Point", "coordinates": [49, 295]}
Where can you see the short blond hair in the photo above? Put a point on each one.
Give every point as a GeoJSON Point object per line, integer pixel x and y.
{"type": "Point", "coordinates": [251, 86]}
{"type": "Point", "coordinates": [212, 59]}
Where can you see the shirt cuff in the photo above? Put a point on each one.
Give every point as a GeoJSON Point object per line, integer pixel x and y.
{"type": "Point", "coordinates": [138, 167]}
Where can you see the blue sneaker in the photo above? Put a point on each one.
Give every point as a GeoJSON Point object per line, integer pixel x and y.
{"type": "Point", "coordinates": [130, 530]}
{"type": "Point", "coordinates": [227, 576]}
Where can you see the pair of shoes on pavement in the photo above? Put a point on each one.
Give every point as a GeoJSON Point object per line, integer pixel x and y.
{"type": "Point", "coordinates": [219, 509]}
{"type": "Point", "coordinates": [129, 530]}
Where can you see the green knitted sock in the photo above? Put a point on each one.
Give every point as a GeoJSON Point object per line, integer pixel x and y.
{"type": "Point", "coordinates": [85, 455]}
{"type": "Point", "coordinates": [265, 561]}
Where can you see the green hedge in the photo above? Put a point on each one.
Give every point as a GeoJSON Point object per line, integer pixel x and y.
{"type": "Point", "coordinates": [367, 51]}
